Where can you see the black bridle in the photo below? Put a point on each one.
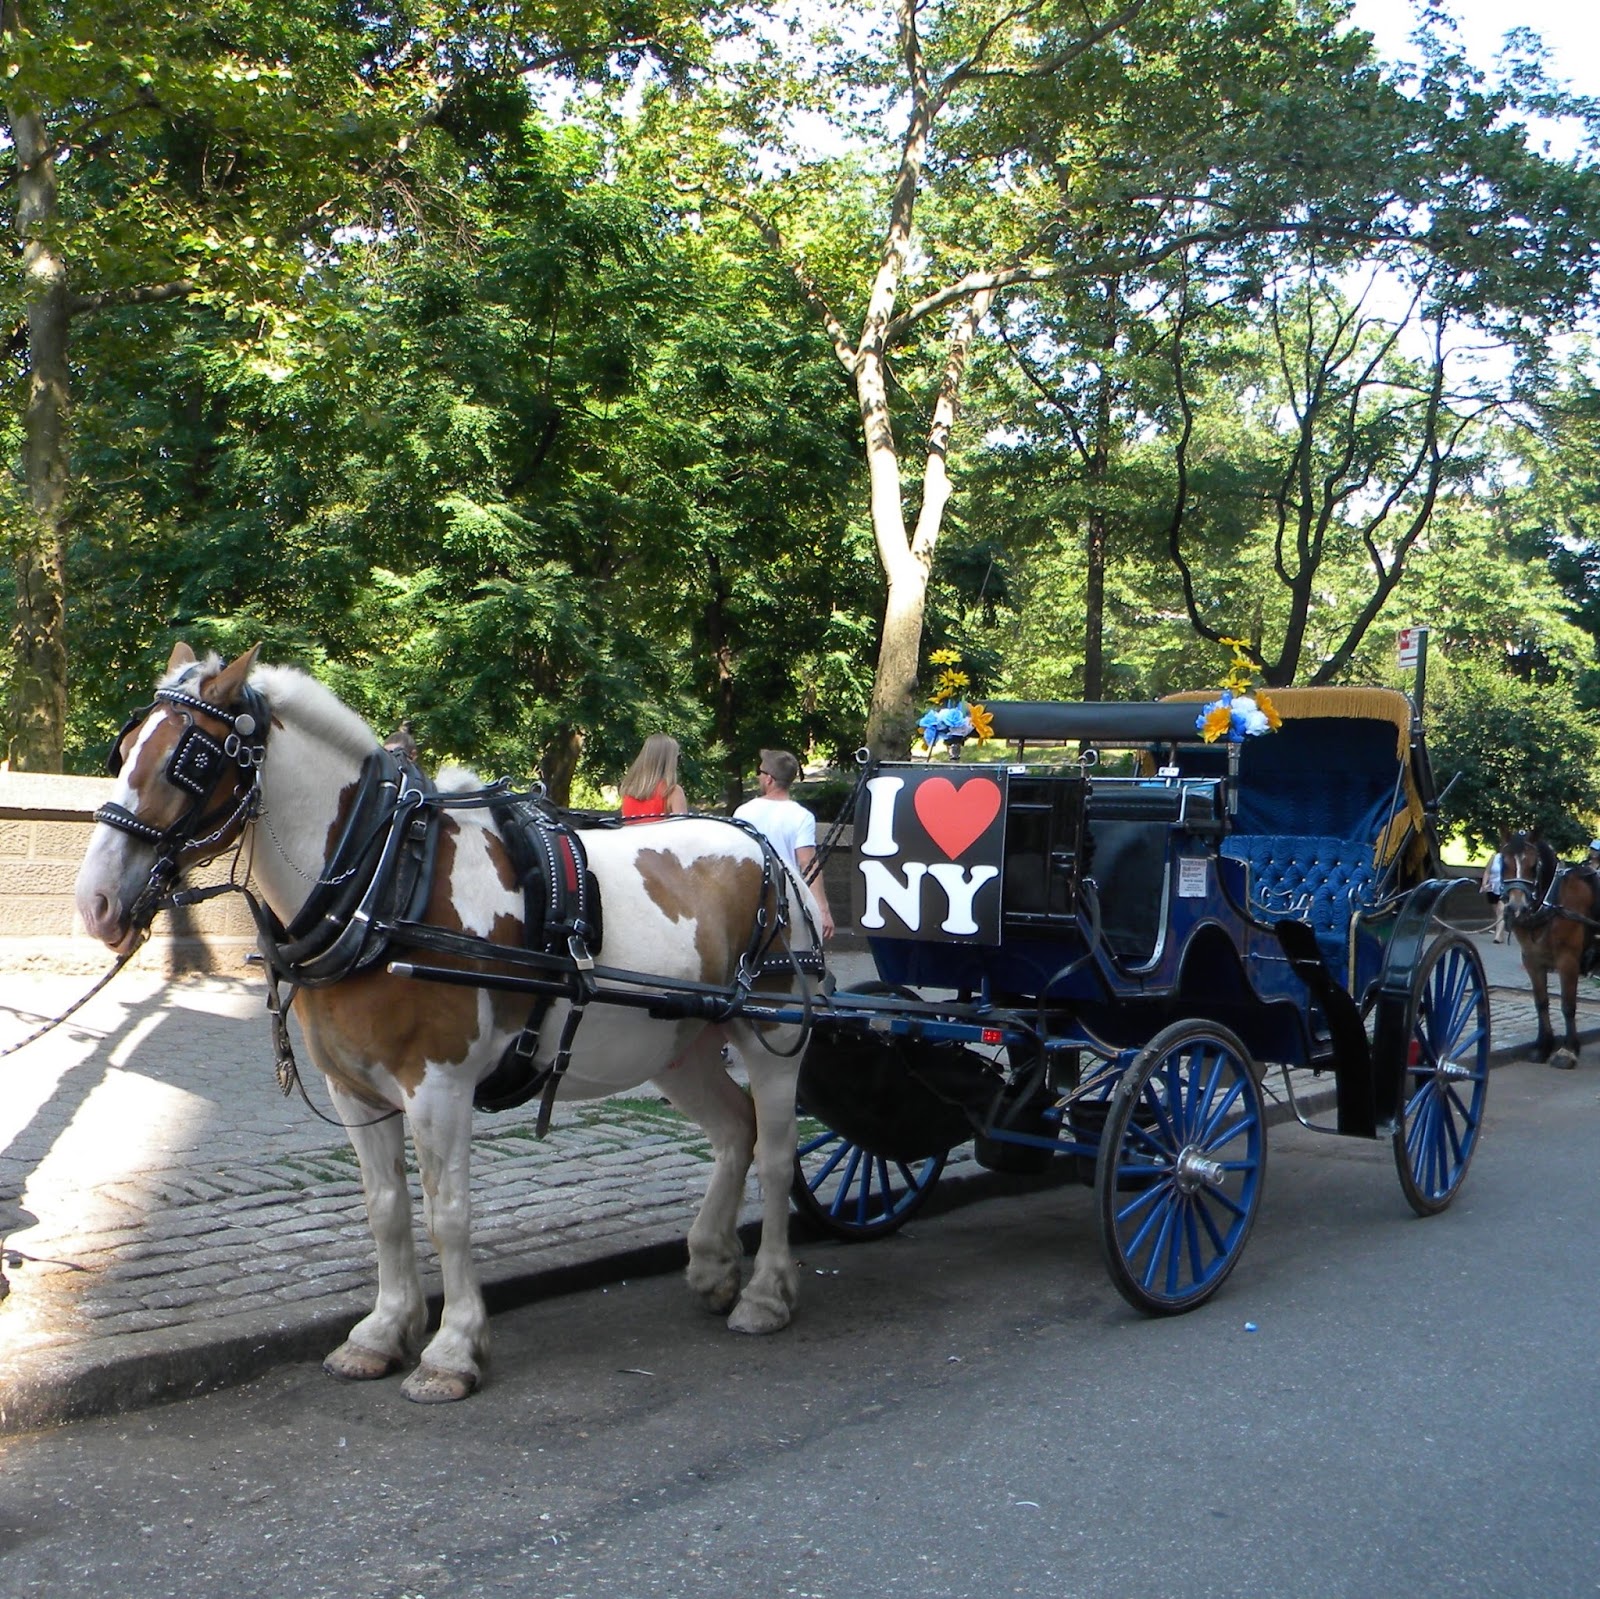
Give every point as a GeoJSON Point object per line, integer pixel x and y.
{"type": "Point", "coordinates": [197, 766]}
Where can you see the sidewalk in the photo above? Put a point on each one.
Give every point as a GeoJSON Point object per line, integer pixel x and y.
{"type": "Point", "coordinates": [173, 1224]}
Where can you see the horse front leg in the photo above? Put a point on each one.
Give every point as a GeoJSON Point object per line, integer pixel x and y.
{"type": "Point", "coordinates": [1545, 1041]}
{"type": "Point", "coordinates": [441, 1130]}
{"type": "Point", "coordinates": [697, 1083]}
{"type": "Point", "coordinates": [1566, 1058]}
{"type": "Point", "coordinates": [386, 1339]}
{"type": "Point", "coordinates": [769, 1299]}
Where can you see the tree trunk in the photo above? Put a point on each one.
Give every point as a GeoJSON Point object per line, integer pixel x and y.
{"type": "Point", "coordinates": [1094, 607]}
{"type": "Point", "coordinates": [559, 763]}
{"type": "Point", "coordinates": [724, 722]}
{"type": "Point", "coordinates": [893, 717]}
{"type": "Point", "coordinates": [37, 711]}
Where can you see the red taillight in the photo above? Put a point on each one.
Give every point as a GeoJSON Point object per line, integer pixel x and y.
{"type": "Point", "coordinates": [992, 1035]}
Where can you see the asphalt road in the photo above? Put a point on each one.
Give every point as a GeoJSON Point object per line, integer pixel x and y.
{"type": "Point", "coordinates": [1373, 1405]}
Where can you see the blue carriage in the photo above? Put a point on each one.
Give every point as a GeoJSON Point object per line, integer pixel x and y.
{"type": "Point", "coordinates": [1108, 954]}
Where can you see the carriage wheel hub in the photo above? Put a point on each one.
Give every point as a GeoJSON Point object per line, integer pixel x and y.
{"type": "Point", "coordinates": [1195, 1171]}
{"type": "Point", "coordinates": [1453, 1069]}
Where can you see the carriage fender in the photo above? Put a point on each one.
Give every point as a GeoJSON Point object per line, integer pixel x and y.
{"type": "Point", "coordinates": [1448, 902]}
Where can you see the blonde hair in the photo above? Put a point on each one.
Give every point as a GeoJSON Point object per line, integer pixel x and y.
{"type": "Point", "coordinates": [654, 767]}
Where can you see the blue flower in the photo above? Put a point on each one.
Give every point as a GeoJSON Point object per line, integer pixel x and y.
{"type": "Point", "coordinates": [946, 722]}
{"type": "Point", "coordinates": [1233, 717]}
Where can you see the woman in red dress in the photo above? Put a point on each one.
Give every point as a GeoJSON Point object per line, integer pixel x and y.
{"type": "Point", "coordinates": [651, 787]}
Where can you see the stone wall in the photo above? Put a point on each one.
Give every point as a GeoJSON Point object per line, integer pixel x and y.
{"type": "Point", "coordinates": [45, 822]}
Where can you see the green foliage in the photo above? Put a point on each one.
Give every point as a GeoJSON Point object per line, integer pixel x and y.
{"type": "Point", "coordinates": [574, 477]}
{"type": "Point", "coordinates": [1518, 756]}
{"type": "Point", "coordinates": [474, 412]}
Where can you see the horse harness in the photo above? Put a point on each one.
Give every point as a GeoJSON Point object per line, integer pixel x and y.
{"type": "Point", "coordinates": [375, 885]}
{"type": "Point", "coordinates": [197, 766]}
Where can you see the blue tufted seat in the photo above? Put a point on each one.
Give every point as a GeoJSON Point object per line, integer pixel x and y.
{"type": "Point", "coordinates": [1323, 881]}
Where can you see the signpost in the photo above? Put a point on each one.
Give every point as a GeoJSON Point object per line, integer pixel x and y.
{"type": "Point", "coordinates": [1413, 651]}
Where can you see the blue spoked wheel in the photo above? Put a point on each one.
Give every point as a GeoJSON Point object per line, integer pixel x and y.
{"type": "Point", "coordinates": [1181, 1164]}
{"type": "Point", "coordinates": [853, 1193]}
{"type": "Point", "coordinates": [1447, 1075]}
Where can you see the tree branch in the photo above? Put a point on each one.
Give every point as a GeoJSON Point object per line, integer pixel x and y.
{"type": "Point", "coordinates": [810, 289]}
{"type": "Point", "coordinates": [146, 294]}
{"type": "Point", "coordinates": [1048, 66]}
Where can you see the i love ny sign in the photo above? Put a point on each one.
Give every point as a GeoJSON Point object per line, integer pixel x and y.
{"type": "Point", "coordinates": [930, 848]}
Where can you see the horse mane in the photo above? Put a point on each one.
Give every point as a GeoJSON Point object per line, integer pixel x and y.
{"type": "Point", "coordinates": [299, 698]}
{"type": "Point", "coordinates": [456, 780]}
{"type": "Point", "coordinates": [296, 697]}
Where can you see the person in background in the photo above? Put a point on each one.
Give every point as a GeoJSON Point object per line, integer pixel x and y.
{"type": "Point", "coordinates": [1593, 862]}
{"type": "Point", "coordinates": [400, 742]}
{"type": "Point", "coordinates": [651, 787]}
{"type": "Point", "coordinates": [1491, 888]}
{"type": "Point", "coordinates": [787, 825]}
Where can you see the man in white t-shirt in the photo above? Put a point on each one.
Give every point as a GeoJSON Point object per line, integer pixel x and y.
{"type": "Point", "coordinates": [787, 825]}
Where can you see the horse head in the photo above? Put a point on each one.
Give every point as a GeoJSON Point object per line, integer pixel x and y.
{"type": "Point", "coordinates": [1527, 869]}
{"type": "Point", "coordinates": [188, 778]}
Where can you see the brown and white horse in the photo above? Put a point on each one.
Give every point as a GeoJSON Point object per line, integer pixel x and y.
{"type": "Point", "coordinates": [680, 899]}
{"type": "Point", "coordinates": [1552, 910]}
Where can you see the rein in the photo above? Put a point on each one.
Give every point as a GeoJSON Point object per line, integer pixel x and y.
{"type": "Point", "coordinates": [77, 1005]}
{"type": "Point", "coordinates": [197, 765]}
{"type": "Point", "coordinates": [374, 886]}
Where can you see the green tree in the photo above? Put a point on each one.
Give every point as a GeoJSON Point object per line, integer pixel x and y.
{"type": "Point", "coordinates": [209, 157]}
{"type": "Point", "coordinates": [1518, 757]}
{"type": "Point", "coordinates": [1026, 150]}
{"type": "Point", "coordinates": [541, 490]}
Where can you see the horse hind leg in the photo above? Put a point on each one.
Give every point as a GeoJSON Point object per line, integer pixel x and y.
{"type": "Point", "coordinates": [697, 1083]}
{"type": "Point", "coordinates": [385, 1340]}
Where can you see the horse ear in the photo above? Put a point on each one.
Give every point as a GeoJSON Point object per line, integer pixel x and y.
{"type": "Point", "coordinates": [181, 655]}
{"type": "Point", "coordinates": [224, 688]}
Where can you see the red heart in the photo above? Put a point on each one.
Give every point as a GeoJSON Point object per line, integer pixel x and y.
{"type": "Point", "coordinates": [956, 817]}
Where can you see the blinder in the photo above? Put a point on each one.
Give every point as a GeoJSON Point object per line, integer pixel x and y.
{"type": "Point", "coordinates": [114, 754]}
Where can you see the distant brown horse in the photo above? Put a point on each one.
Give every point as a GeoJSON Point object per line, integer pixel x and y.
{"type": "Point", "coordinates": [1552, 910]}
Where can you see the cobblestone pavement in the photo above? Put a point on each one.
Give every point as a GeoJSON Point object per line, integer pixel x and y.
{"type": "Point", "coordinates": [172, 1223]}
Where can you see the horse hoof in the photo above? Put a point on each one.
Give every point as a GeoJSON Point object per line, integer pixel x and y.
{"type": "Point", "coordinates": [718, 1294]}
{"type": "Point", "coordinates": [428, 1385]}
{"type": "Point", "coordinates": [1564, 1060]}
{"type": "Point", "coordinates": [356, 1364]}
{"type": "Point", "coordinates": [758, 1320]}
